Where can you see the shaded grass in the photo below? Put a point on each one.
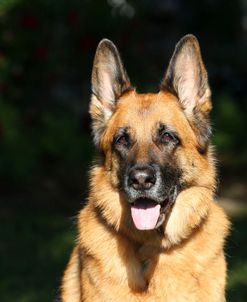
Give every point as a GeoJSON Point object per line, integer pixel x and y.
{"type": "Point", "coordinates": [35, 247]}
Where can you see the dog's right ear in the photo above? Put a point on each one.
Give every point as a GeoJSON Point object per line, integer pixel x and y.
{"type": "Point", "coordinates": [109, 82]}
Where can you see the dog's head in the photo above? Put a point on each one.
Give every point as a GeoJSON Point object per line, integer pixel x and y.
{"type": "Point", "coordinates": [153, 145]}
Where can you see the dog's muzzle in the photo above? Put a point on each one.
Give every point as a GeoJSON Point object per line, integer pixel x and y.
{"type": "Point", "coordinates": [142, 178]}
{"type": "Point", "coordinates": [148, 196]}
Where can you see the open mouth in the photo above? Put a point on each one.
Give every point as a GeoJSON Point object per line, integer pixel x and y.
{"type": "Point", "coordinates": [147, 214]}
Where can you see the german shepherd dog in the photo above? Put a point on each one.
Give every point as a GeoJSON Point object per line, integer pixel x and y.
{"type": "Point", "coordinates": [151, 230]}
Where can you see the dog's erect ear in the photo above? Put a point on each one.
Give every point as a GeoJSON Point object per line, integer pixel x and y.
{"type": "Point", "coordinates": [186, 77]}
{"type": "Point", "coordinates": [109, 82]}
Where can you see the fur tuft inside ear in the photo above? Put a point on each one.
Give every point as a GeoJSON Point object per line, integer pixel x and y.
{"type": "Point", "coordinates": [109, 82]}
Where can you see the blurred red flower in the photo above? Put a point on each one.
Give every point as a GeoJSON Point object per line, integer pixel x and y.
{"type": "Point", "coordinates": [88, 42]}
{"type": "Point", "coordinates": [73, 17]}
{"type": "Point", "coordinates": [1, 130]}
{"type": "Point", "coordinates": [41, 53]}
{"type": "Point", "coordinates": [29, 21]}
{"type": "Point", "coordinates": [3, 88]}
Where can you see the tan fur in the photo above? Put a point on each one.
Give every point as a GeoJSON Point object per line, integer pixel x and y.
{"type": "Point", "coordinates": [184, 261]}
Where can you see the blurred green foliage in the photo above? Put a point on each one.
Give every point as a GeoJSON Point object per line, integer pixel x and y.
{"type": "Point", "coordinates": [37, 256]}
{"type": "Point", "coordinates": [229, 121]}
{"type": "Point", "coordinates": [24, 152]}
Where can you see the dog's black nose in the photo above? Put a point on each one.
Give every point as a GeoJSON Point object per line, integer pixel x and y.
{"type": "Point", "coordinates": [142, 178]}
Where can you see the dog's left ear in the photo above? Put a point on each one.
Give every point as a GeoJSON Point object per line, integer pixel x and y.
{"type": "Point", "coordinates": [186, 77]}
{"type": "Point", "coordinates": [109, 82]}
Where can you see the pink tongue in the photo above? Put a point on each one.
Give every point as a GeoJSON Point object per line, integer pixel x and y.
{"type": "Point", "coordinates": [145, 215]}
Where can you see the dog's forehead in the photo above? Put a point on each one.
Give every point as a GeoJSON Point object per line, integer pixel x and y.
{"type": "Point", "coordinates": [149, 109]}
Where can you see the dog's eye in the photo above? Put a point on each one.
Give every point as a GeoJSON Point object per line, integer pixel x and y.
{"type": "Point", "coordinates": [167, 137]}
{"type": "Point", "coordinates": [122, 140]}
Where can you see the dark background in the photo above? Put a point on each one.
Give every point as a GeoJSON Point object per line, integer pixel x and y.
{"type": "Point", "coordinates": [46, 54]}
